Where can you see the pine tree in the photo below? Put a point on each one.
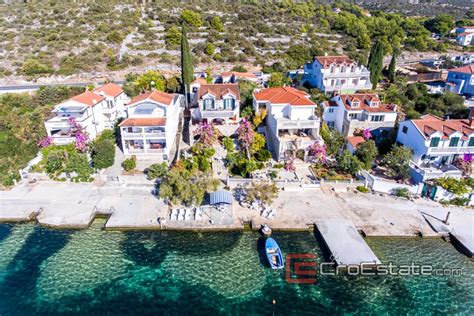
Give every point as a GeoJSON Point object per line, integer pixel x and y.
{"type": "Point", "coordinates": [187, 72]}
{"type": "Point", "coordinates": [391, 67]}
{"type": "Point", "coordinates": [375, 64]}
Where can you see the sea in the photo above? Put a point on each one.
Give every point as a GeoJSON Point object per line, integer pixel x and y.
{"type": "Point", "coordinates": [47, 271]}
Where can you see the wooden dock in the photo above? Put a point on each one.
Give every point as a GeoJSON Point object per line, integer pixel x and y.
{"type": "Point", "coordinates": [345, 244]}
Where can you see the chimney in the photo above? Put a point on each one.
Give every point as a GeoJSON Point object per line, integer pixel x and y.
{"type": "Point", "coordinates": [471, 118]}
{"type": "Point", "coordinates": [94, 101]}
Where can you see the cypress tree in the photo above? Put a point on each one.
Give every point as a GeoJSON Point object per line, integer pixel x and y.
{"type": "Point", "coordinates": [391, 67]}
{"type": "Point", "coordinates": [187, 72]}
{"type": "Point", "coordinates": [375, 64]}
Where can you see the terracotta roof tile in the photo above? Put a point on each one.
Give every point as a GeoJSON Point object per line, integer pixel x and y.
{"type": "Point", "coordinates": [110, 89]}
{"type": "Point", "coordinates": [144, 122]}
{"type": "Point", "coordinates": [284, 95]}
{"type": "Point", "coordinates": [355, 140]}
{"type": "Point", "coordinates": [327, 61]}
{"type": "Point", "coordinates": [155, 95]}
{"type": "Point", "coordinates": [219, 90]}
{"type": "Point", "coordinates": [469, 69]}
{"type": "Point", "coordinates": [430, 124]}
{"type": "Point", "coordinates": [88, 98]}
{"type": "Point", "coordinates": [364, 100]}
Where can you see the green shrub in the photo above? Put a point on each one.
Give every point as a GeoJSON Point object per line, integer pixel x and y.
{"type": "Point", "coordinates": [157, 170]}
{"type": "Point", "coordinates": [103, 152]}
{"type": "Point", "coordinates": [278, 166]}
{"type": "Point", "coordinates": [362, 189]}
{"type": "Point", "coordinates": [263, 155]}
{"type": "Point", "coordinates": [228, 144]}
{"type": "Point", "coordinates": [401, 192]}
{"type": "Point", "coordinates": [129, 164]}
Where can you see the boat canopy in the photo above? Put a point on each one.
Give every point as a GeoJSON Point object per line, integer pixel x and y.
{"type": "Point", "coordinates": [220, 197]}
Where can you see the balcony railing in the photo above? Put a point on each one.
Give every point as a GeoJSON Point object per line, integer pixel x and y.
{"type": "Point", "coordinates": [297, 124]}
{"type": "Point", "coordinates": [128, 135]}
{"type": "Point", "coordinates": [63, 140]}
{"type": "Point", "coordinates": [448, 150]}
{"type": "Point", "coordinates": [217, 113]}
{"type": "Point", "coordinates": [356, 74]}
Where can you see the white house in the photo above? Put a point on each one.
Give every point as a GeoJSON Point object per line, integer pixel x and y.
{"type": "Point", "coordinates": [291, 120]}
{"type": "Point", "coordinates": [149, 131]}
{"type": "Point", "coordinates": [336, 73]}
{"type": "Point", "coordinates": [466, 59]}
{"type": "Point", "coordinates": [115, 99]}
{"type": "Point", "coordinates": [436, 143]}
{"type": "Point", "coordinates": [465, 39]}
{"type": "Point", "coordinates": [350, 112]}
{"type": "Point", "coordinates": [217, 103]}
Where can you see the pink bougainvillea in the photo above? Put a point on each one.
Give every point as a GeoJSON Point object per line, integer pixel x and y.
{"type": "Point", "coordinates": [79, 134]}
{"type": "Point", "coordinates": [45, 142]}
{"type": "Point", "coordinates": [366, 134]}
{"type": "Point", "coordinates": [246, 135]}
{"type": "Point", "coordinates": [289, 165]}
{"type": "Point", "coordinates": [207, 133]}
{"type": "Point", "coordinates": [467, 157]}
{"type": "Point", "coordinates": [317, 153]}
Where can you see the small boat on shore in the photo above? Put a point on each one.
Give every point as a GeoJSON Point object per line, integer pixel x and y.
{"type": "Point", "coordinates": [274, 256]}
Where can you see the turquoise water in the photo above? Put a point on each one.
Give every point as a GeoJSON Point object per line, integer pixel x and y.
{"type": "Point", "coordinates": [45, 271]}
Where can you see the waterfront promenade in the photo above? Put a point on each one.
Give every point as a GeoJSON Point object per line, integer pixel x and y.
{"type": "Point", "coordinates": [74, 205]}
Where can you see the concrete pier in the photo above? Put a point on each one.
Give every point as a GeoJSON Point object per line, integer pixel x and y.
{"type": "Point", "coordinates": [345, 243]}
{"type": "Point", "coordinates": [460, 227]}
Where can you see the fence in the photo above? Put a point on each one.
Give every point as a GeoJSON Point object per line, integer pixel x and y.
{"type": "Point", "coordinates": [386, 186]}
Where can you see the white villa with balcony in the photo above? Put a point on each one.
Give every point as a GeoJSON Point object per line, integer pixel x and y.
{"type": "Point", "coordinates": [217, 103]}
{"type": "Point", "coordinates": [149, 131]}
{"type": "Point", "coordinates": [336, 73]}
{"type": "Point", "coordinates": [115, 99]}
{"type": "Point", "coordinates": [88, 110]}
{"type": "Point", "coordinates": [350, 112]}
{"type": "Point", "coordinates": [291, 120]}
{"type": "Point", "coordinates": [436, 143]}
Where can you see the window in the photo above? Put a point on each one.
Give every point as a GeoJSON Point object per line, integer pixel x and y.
{"type": "Point", "coordinates": [110, 104]}
{"type": "Point", "coordinates": [355, 104]}
{"type": "Point", "coordinates": [353, 69]}
{"type": "Point", "coordinates": [374, 104]}
{"type": "Point", "coordinates": [377, 118]}
{"type": "Point", "coordinates": [471, 142]}
{"type": "Point", "coordinates": [229, 104]}
{"type": "Point", "coordinates": [330, 124]}
{"type": "Point", "coordinates": [343, 82]}
{"type": "Point", "coordinates": [208, 104]}
{"type": "Point", "coordinates": [355, 82]}
{"type": "Point", "coordinates": [333, 69]}
{"type": "Point", "coordinates": [454, 142]}
{"type": "Point", "coordinates": [434, 142]}
{"type": "Point", "coordinates": [343, 68]}
{"type": "Point", "coordinates": [352, 116]}
{"type": "Point", "coordinates": [331, 110]}
{"type": "Point", "coordinates": [405, 129]}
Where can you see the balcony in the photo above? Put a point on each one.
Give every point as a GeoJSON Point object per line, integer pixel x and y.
{"type": "Point", "coordinates": [285, 123]}
{"type": "Point", "coordinates": [429, 170]}
{"type": "Point", "coordinates": [448, 150]}
{"type": "Point", "coordinates": [355, 74]}
{"type": "Point", "coordinates": [63, 140]}
{"type": "Point", "coordinates": [140, 135]}
{"type": "Point", "coordinates": [217, 114]}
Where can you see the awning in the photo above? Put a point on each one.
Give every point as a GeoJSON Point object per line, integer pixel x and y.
{"type": "Point", "coordinates": [219, 197]}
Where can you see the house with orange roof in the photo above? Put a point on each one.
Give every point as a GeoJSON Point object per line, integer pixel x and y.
{"type": "Point", "coordinates": [94, 110]}
{"type": "Point", "coordinates": [291, 123]}
{"type": "Point", "coordinates": [350, 112]}
{"type": "Point", "coordinates": [149, 131]}
{"type": "Point", "coordinates": [218, 103]}
{"type": "Point", "coordinates": [115, 99]}
{"type": "Point", "coordinates": [336, 73]}
{"type": "Point", "coordinates": [461, 80]}
{"type": "Point", "coordinates": [436, 143]}
{"type": "Point", "coordinates": [464, 35]}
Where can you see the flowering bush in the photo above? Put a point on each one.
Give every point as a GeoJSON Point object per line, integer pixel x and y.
{"type": "Point", "coordinates": [246, 135]}
{"type": "Point", "coordinates": [45, 142]}
{"type": "Point", "coordinates": [366, 134]}
{"type": "Point", "coordinates": [317, 153]}
{"type": "Point", "coordinates": [207, 133]}
{"type": "Point", "coordinates": [79, 134]}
